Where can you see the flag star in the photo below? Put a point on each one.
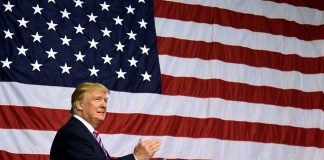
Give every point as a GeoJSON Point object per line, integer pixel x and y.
{"type": "Point", "coordinates": [65, 40]}
{"type": "Point", "coordinates": [93, 43]}
{"type": "Point", "coordinates": [146, 76]}
{"type": "Point", "coordinates": [79, 56]}
{"type": "Point", "coordinates": [107, 59]}
{"type": "Point", "coordinates": [139, 1]}
{"type": "Point", "coordinates": [105, 6]}
{"type": "Point", "coordinates": [118, 21]}
{"type": "Point", "coordinates": [121, 74]}
{"type": "Point", "coordinates": [78, 3]}
{"type": "Point", "coordinates": [8, 6]}
{"type": "Point", "coordinates": [51, 25]}
{"type": "Point", "coordinates": [92, 17]}
{"type": "Point", "coordinates": [22, 22]}
{"type": "Point", "coordinates": [106, 32]}
{"type": "Point", "coordinates": [131, 35]}
{"type": "Point", "coordinates": [142, 23]}
{"type": "Point", "coordinates": [65, 69]}
{"type": "Point", "coordinates": [37, 37]}
{"type": "Point", "coordinates": [6, 63]}
{"type": "Point", "coordinates": [51, 53]}
{"type": "Point", "coordinates": [120, 47]}
{"type": "Point", "coordinates": [8, 34]}
{"type": "Point", "coordinates": [22, 50]}
{"type": "Point", "coordinates": [51, 1]}
{"type": "Point", "coordinates": [37, 9]}
{"type": "Point", "coordinates": [130, 9]}
{"type": "Point", "coordinates": [132, 62]}
{"type": "Point", "coordinates": [79, 29]}
{"type": "Point", "coordinates": [65, 14]}
{"type": "Point", "coordinates": [94, 71]}
{"type": "Point", "coordinates": [36, 66]}
{"type": "Point", "coordinates": [144, 50]}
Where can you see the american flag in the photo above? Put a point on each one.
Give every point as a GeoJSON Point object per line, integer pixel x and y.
{"type": "Point", "coordinates": [221, 80]}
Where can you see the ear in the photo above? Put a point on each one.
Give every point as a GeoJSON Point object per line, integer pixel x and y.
{"type": "Point", "coordinates": [78, 105]}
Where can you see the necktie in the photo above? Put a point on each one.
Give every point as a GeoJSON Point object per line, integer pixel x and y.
{"type": "Point", "coordinates": [96, 135]}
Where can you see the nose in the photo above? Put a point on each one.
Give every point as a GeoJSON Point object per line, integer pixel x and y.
{"type": "Point", "coordinates": [103, 104]}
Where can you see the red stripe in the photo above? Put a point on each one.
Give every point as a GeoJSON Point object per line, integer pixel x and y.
{"type": "Point", "coordinates": [213, 15]}
{"type": "Point", "coordinates": [12, 117]}
{"type": "Point", "coordinates": [316, 4]}
{"type": "Point", "coordinates": [141, 124]}
{"type": "Point", "coordinates": [4, 155]}
{"type": "Point", "coordinates": [194, 87]}
{"type": "Point", "coordinates": [237, 54]}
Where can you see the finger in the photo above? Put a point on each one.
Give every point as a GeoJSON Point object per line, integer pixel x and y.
{"type": "Point", "coordinates": [154, 148]}
{"type": "Point", "coordinates": [151, 141]}
{"type": "Point", "coordinates": [155, 145]}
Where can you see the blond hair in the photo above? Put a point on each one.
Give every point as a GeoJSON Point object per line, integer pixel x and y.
{"type": "Point", "coordinates": [82, 89]}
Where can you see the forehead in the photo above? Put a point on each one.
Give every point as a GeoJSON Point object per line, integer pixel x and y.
{"type": "Point", "coordinates": [97, 93]}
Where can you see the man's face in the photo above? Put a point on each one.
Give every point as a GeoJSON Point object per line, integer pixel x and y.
{"type": "Point", "coordinates": [93, 107]}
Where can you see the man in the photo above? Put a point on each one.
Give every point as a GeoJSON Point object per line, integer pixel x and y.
{"type": "Point", "coordinates": [78, 139]}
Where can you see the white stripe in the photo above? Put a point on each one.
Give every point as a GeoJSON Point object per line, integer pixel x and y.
{"type": "Point", "coordinates": [155, 104]}
{"type": "Point", "coordinates": [26, 141]}
{"type": "Point", "coordinates": [15, 93]}
{"type": "Point", "coordinates": [232, 72]}
{"type": "Point", "coordinates": [301, 15]}
{"type": "Point", "coordinates": [39, 142]}
{"type": "Point", "coordinates": [238, 37]}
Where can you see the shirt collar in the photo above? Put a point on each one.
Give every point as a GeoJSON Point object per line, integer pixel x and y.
{"type": "Point", "coordinates": [88, 125]}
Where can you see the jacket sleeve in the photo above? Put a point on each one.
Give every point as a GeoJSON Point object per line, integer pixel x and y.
{"type": "Point", "coordinates": [127, 157]}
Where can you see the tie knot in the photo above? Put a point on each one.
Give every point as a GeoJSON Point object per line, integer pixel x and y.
{"type": "Point", "coordinates": [95, 133]}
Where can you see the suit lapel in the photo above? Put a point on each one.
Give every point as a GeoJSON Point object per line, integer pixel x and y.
{"type": "Point", "coordinates": [89, 135]}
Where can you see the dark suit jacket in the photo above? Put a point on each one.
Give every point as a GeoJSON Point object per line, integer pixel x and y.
{"type": "Point", "coordinates": [75, 142]}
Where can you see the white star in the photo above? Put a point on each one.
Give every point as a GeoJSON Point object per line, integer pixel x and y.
{"type": "Point", "coordinates": [130, 9]}
{"type": "Point", "coordinates": [37, 9]}
{"type": "Point", "coordinates": [105, 6]}
{"type": "Point", "coordinates": [79, 56]}
{"type": "Point", "coordinates": [37, 37]}
{"type": "Point", "coordinates": [8, 7]}
{"type": "Point", "coordinates": [94, 71]}
{"type": "Point", "coordinates": [51, 25]}
{"type": "Point", "coordinates": [22, 50]}
{"type": "Point", "coordinates": [142, 23]}
{"type": "Point", "coordinates": [146, 76]}
{"type": "Point", "coordinates": [65, 40]}
{"type": "Point", "coordinates": [22, 22]}
{"type": "Point", "coordinates": [120, 47]}
{"type": "Point", "coordinates": [51, 53]}
{"type": "Point", "coordinates": [93, 43]}
{"type": "Point", "coordinates": [144, 49]}
{"type": "Point", "coordinates": [107, 59]}
{"type": "Point", "coordinates": [131, 35]}
{"type": "Point", "coordinates": [132, 62]}
{"type": "Point", "coordinates": [78, 3]}
{"type": "Point", "coordinates": [51, 1]}
{"type": "Point", "coordinates": [92, 17]}
{"type": "Point", "coordinates": [6, 63]}
{"type": "Point", "coordinates": [65, 69]}
{"type": "Point", "coordinates": [139, 1]}
{"type": "Point", "coordinates": [8, 34]}
{"type": "Point", "coordinates": [121, 74]}
{"type": "Point", "coordinates": [36, 66]}
{"type": "Point", "coordinates": [118, 21]}
{"type": "Point", "coordinates": [65, 14]}
{"type": "Point", "coordinates": [79, 29]}
{"type": "Point", "coordinates": [106, 32]}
